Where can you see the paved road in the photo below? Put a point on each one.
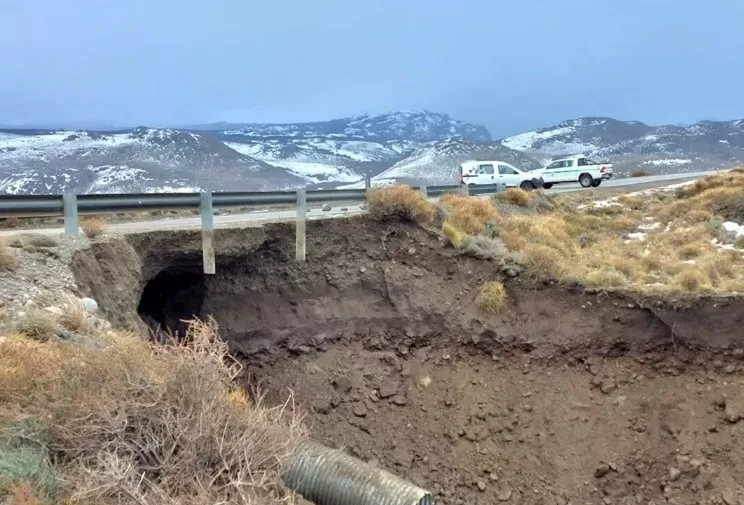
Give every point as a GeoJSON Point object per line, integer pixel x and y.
{"type": "Point", "coordinates": [258, 217]}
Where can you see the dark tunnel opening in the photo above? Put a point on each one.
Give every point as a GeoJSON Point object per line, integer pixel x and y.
{"type": "Point", "coordinates": [173, 296]}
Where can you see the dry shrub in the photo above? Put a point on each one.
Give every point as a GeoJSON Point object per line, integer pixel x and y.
{"type": "Point", "coordinates": [634, 202]}
{"type": "Point", "coordinates": [513, 196]}
{"type": "Point", "coordinates": [10, 222]}
{"type": "Point", "coordinates": [726, 180]}
{"type": "Point", "coordinates": [469, 214]}
{"type": "Point", "coordinates": [22, 494]}
{"type": "Point", "coordinates": [400, 202]}
{"type": "Point", "coordinates": [8, 258]}
{"type": "Point", "coordinates": [544, 261]}
{"type": "Point", "coordinates": [483, 247]}
{"type": "Point", "coordinates": [93, 226]}
{"type": "Point", "coordinates": [491, 298]}
{"type": "Point", "coordinates": [739, 242]}
{"type": "Point", "coordinates": [691, 279]}
{"type": "Point", "coordinates": [605, 278]}
{"type": "Point", "coordinates": [639, 173]}
{"type": "Point", "coordinates": [129, 423]}
{"type": "Point", "coordinates": [33, 240]}
{"type": "Point", "coordinates": [692, 250]}
{"type": "Point", "coordinates": [73, 317]}
{"type": "Point", "coordinates": [37, 324]}
{"type": "Point", "coordinates": [454, 236]}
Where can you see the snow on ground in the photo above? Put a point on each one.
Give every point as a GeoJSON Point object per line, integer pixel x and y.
{"type": "Point", "coordinates": [57, 143]}
{"type": "Point", "coordinates": [670, 161]}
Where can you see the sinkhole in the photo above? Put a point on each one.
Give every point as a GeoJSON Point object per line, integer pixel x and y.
{"type": "Point", "coordinates": [173, 296]}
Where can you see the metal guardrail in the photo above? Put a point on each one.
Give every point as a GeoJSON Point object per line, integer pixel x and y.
{"type": "Point", "coordinates": [70, 206]}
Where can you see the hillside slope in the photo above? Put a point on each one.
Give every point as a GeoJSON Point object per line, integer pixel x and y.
{"type": "Point", "coordinates": [635, 145]}
{"type": "Point", "coordinates": [143, 160]}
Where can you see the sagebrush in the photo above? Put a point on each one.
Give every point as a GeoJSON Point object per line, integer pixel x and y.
{"type": "Point", "coordinates": [161, 425]}
{"type": "Point", "coordinates": [400, 202]}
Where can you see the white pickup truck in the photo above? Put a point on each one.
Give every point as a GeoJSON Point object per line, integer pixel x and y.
{"type": "Point", "coordinates": [495, 172]}
{"type": "Point", "coordinates": [575, 169]}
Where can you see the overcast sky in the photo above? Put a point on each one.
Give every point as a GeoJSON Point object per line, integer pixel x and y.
{"type": "Point", "coordinates": [509, 64]}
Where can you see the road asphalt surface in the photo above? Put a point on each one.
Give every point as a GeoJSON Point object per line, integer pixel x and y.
{"type": "Point", "coordinates": [262, 216]}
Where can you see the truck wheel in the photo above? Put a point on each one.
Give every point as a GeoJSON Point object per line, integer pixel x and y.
{"type": "Point", "coordinates": [547, 185]}
{"type": "Point", "coordinates": [527, 186]}
{"type": "Point", "coordinates": [585, 180]}
{"type": "Point", "coordinates": [596, 183]}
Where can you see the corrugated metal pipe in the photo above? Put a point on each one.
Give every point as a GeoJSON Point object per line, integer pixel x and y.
{"type": "Point", "coordinates": [327, 476]}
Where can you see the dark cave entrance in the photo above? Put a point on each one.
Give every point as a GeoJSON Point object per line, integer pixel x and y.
{"type": "Point", "coordinates": [172, 296]}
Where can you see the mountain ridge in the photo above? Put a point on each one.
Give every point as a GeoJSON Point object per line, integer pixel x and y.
{"type": "Point", "coordinates": [411, 146]}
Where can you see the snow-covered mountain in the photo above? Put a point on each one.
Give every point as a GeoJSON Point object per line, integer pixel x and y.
{"type": "Point", "coordinates": [416, 147]}
{"type": "Point", "coordinates": [632, 145]}
{"type": "Point", "coordinates": [249, 157]}
{"type": "Point", "coordinates": [416, 126]}
{"type": "Point", "coordinates": [438, 163]}
{"type": "Point", "coordinates": [142, 160]}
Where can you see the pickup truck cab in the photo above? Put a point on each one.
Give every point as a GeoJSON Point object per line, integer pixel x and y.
{"type": "Point", "coordinates": [498, 172]}
{"type": "Point", "coordinates": [575, 169]}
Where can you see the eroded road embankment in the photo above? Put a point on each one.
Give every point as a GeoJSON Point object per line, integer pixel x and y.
{"type": "Point", "coordinates": [569, 395]}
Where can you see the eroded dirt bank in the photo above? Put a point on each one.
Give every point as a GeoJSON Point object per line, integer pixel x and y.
{"type": "Point", "coordinates": [568, 396]}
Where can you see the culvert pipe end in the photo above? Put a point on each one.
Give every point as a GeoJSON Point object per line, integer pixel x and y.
{"type": "Point", "coordinates": [328, 476]}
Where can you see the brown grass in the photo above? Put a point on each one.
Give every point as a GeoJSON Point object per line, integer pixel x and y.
{"type": "Point", "coordinates": [469, 214]}
{"type": "Point", "coordinates": [93, 226]}
{"type": "Point", "coordinates": [691, 279]}
{"type": "Point", "coordinates": [400, 202]}
{"type": "Point", "coordinates": [514, 196]}
{"type": "Point", "coordinates": [639, 173]}
{"type": "Point", "coordinates": [128, 423]}
{"type": "Point", "coordinates": [454, 236]}
{"type": "Point", "coordinates": [74, 317]}
{"type": "Point", "coordinates": [33, 240]}
{"type": "Point", "coordinates": [491, 298]}
{"type": "Point", "coordinates": [574, 241]}
{"type": "Point", "coordinates": [8, 258]}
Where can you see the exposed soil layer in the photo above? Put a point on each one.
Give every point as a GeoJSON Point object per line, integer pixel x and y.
{"type": "Point", "coordinates": [570, 395]}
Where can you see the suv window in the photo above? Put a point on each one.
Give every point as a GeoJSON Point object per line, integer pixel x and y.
{"type": "Point", "coordinates": [581, 162]}
{"type": "Point", "coordinates": [485, 169]}
{"type": "Point", "coordinates": [568, 163]}
{"type": "Point", "coordinates": [504, 170]}
{"type": "Point", "coordinates": [555, 164]}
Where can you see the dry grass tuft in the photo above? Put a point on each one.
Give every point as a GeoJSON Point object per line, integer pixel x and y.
{"type": "Point", "coordinates": [469, 214]}
{"type": "Point", "coordinates": [93, 226]}
{"type": "Point", "coordinates": [454, 236]}
{"type": "Point", "coordinates": [691, 279]}
{"type": "Point", "coordinates": [639, 173]}
{"type": "Point", "coordinates": [400, 202]}
{"type": "Point", "coordinates": [33, 240]}
{"type": "Point", "coordinates": [8, 258]}
{"type": "Point", "coordinates": [37, 324]}
{"type": "Point", "coordinates": [129, 423]}
{"type": "Point", "coordinates": [74, 317]}
{"type": "Point", "coordinates": [514, 196]}
{"type": "Point", "coordinates": [491, 298]}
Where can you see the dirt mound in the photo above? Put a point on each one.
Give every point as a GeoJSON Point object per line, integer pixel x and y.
{"type": "Point", "coordinates": [568, 395]}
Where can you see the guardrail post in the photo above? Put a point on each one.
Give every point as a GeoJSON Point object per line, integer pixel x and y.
{"type": "Point", "coordinates": [367, 181]}
{"type": "Point", "coordinates": [500, 187]}
{"type": "Point", "coordinates": [70, 210]}
{"type": "Point", "coordinates": [424, 191]}
{"type": "Point", "coordinates": [301, 225]}
{"type": "Point", "coordinates": [207, 223]}
{"type": "Point", "coordinates": [465, 189]}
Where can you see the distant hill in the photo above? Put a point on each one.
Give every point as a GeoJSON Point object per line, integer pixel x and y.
{"type": "Point", "coordinates": [634, 145]}
{"type": "Point", "coordinates": [416, 147]}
